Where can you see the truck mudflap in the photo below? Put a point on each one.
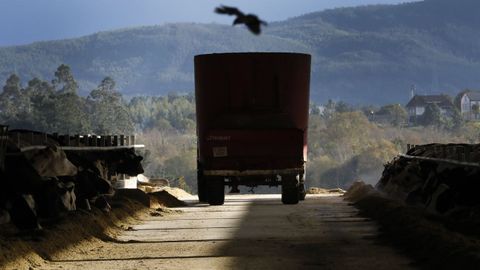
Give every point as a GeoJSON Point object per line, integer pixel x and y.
{"type": "Point", "coordinates": [227, 173]}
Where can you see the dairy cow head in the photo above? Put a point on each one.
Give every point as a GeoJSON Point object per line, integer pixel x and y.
{"type": "Point", "coordinates": [50, 162]}
{"type": "Point", "coordinates": [129, 163]}
{"type": "Point", "coordinates": [67, 195]}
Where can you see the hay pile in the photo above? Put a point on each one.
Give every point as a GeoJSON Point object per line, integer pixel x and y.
{"type": "Point", "coordinates": [435, 242]}
{"type": "Point", "coordinates": [316, 190]}
{"type": "Point", "coordinates": [79, 233]}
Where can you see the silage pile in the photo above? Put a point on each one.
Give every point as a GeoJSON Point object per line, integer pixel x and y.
{"type": "Point", "coordinates": [432, 240]}
{"type": "Point", "coordinates": [317, 190]}
{"type": "Point", "coordinates": [80, 233]}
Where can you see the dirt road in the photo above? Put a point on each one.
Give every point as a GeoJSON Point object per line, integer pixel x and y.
{"type": "Point", "coordinates": [248, 232]}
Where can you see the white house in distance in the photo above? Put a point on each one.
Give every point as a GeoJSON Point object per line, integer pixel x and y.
{"type": "Point", "coordinates": [416, 106]}
{"type": "Point", "coordinates": [469, 104]}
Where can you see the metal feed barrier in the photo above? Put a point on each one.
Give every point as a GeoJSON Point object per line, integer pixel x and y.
{"type": "Point", "coordinates": [38, 140]}
{"type": "Point", "coordinates": [458, 154]}
{"type": "Point", "coordinates": [81, 143]}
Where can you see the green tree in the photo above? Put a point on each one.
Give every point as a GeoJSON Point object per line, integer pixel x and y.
{"type": "Point", "coordinates": [342, 107]}
{"type": "Point", "coordinates": [42, 97]}
{"type": "Point", "coordinates": [109, 113]}
{"type": "Point", "coordinates": [314, 109]}
{"type": "Point", "coordinates": [397, 114]}
{"type": "Point", "coordinates": [142, 111]}
{"type": "Point", "coordinates": [70, 114]}
{"type": "Point", "coordinates": [64, 81]}
{"type": "Point", "coordinates": [69, 109]}
{"type": "Point", "coordinates": [347, 134]}
{"type": "Point", "coordinates": [432, 116]}
{"type": "Point", "coordinates": [329, 110]}
{"type": "Point", "coordinates": [455, 122]}
{"type": "Point", "coordinates": [14, 103]}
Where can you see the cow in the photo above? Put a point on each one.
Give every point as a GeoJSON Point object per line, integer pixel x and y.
{"type": "Point", "coordinates": [124, 161]}
{"type": "Point", "coordinates": [23, 186]}
{"type": "Point", "coordinates": [50, 162]}
{"type": "Point", "coordinates": [108, 163]}
{"type": "Point", "coordinates": [23, 213]}
{"type": "Point", "coordinates": [54, 197]}
{"type": "Point", "coordinates": [102, 203]}
{"type": "Point", "coordinates": [19, 176]}
{"type": "Point", "coordinates": [450, 187]}
{"type": "Point", "coordinates": [90, 181]}
{"type": "Point", "coordinates": [42, 151]}
{"type": "Point", "coordinates": [89, 186]}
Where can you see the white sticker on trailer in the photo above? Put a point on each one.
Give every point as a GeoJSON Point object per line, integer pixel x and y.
{"type": "Point", "coordinates": [220, 151]}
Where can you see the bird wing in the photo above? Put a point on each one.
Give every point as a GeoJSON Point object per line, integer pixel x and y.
{"type": "Point", "coordinates": [228, 10]}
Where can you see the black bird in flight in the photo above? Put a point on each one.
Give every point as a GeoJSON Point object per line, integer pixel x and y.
{"type": "Point", "coordinates": [250, 20]}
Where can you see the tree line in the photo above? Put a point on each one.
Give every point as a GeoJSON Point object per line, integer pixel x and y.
{"type": "Point", "coordinates": [55, 106]}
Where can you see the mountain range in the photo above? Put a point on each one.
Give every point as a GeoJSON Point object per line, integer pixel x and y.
{"type": "Point", "coordinates": [361, 55]}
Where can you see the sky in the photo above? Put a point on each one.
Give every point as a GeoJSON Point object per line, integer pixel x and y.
{"type": "Point", "coordinates": [27, 21]}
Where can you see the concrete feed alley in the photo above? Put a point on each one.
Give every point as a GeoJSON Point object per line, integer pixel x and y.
{"type": "Point", "coordinates": [248, 232]}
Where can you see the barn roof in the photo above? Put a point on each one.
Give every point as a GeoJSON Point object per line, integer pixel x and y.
{"type": "Point", "coordinates": [473, 96]}
{"type": "Point", "coordinates": [440, 100]}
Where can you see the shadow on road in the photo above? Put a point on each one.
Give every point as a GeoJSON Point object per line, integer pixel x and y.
{"type": "Point", "coordinates": [319, 233]}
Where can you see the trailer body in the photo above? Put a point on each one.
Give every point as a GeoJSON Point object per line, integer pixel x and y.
{"type": "Point", "coordinates": [252, 120]}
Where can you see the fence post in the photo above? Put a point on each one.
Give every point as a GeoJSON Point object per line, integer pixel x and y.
{"type": "Point", "coordinates": [108, 141]}
{"type": "Point", "coordinates": [102, 140]}
{"type": "Point", "coordinates": [122, 140]}
{"type": "Point", "coordinates": [459, 153]}
{"type": "Point", "coordinates": [76, 140]}
{"type": "Point", "coordinates": [67, 139]}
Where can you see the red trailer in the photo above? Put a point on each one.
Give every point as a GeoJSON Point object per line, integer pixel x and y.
{"type": "Point", "coordinates": [252, 120]}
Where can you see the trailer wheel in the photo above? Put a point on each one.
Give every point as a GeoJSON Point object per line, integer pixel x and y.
{"type": "Point", "coordinates": [302, 193]}
{"type": "Point", "coordinates": [216, 191]}
{"type": "Point", "coordinates": [290, 193]}
{"type": "Point", "coordinates": [202, 186]}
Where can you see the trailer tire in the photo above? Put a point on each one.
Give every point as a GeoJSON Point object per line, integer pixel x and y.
{"type": "Point", "coordinates": [290, 193]}
{"type": "Point", "coordinates": [216, 191]}
{"type": "Point", "coordinates": [302, 190]}
{"type": "Point", "coordinates": [302, 193]}
{"type": "Point", "coordinates": [202, 187]}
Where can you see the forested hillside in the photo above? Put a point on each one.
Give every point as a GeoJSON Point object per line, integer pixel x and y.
{"type": "Point", "coordinates": [371, 54]}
